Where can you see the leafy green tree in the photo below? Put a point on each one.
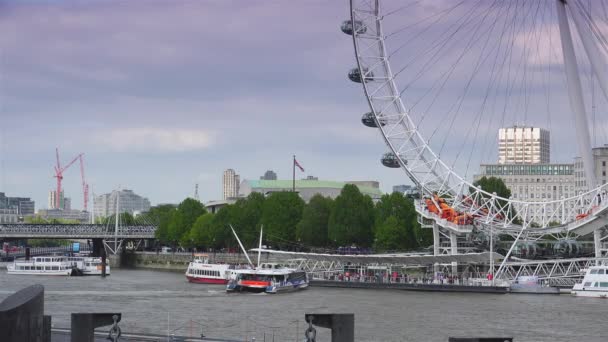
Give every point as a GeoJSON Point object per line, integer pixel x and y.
{"type": "Point", "coordinates": [161, 216]}
{"type": "Point", "coordinates": [397, 206]}
{"type": "Point", "coordinates": [352, 218]}
{"type": "Point", "coordinates": [312, 228]}
{"type": "Point", "coordinates": [494, 185]}
{"type": "Point", "coordinates": [280, 214]}
{"type": "Point", "coordinates": [220, 234]}
{"type": "Point", "coordinates": [391, 235]}
{"type": "Point", "coordinates": [246, 216]}
{"type": "Point", "coordinates": [201, 233]}
{"type": "Point", "coordinates": [183, 219]}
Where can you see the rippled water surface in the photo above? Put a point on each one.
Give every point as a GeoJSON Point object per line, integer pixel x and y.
{"type": "Point", "coordinates": [161, 302]}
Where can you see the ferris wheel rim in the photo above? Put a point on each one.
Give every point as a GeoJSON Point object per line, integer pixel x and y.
{"type": "Point", "coordinates": [390, 79]}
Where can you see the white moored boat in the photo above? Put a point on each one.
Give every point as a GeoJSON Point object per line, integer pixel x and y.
{"type": "Point", "coordinates": [594, 284]}
{"type": "Point", "coordinates": [50, 265]}
{"type": "Point", "coordinates": [202, 272]}
{"type": "Point", "coordinates": [88, 265]}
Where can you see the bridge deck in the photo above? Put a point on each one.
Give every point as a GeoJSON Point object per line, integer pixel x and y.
{"type": "Point", "coordinates": [75, 231]}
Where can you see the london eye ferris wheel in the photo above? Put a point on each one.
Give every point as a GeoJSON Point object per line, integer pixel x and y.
{"type": "Point", "coordinates": [441, 78]}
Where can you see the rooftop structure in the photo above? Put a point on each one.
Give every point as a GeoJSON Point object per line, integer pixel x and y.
{"type": "Point", "coordinates": [308, 188]}
{"type": "Point", "coordinates": [269, 175]}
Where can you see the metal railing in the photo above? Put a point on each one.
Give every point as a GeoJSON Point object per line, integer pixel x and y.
{"type": "Point", "coordinates": [75, 231]}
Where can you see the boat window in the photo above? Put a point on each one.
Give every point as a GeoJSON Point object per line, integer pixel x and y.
{"type": "Point", "coordinates": [603, 284]}
{"type": "Point", "coordinates": [601, 271]}
{"type": "Point", "coordinates": [55, 268]}
{"type": "Point", "coordinates": [38, 268]}
{"type": "Point", "coordinates": [588, 284]}
{"type": "Point", "coordinates": [596, 284]}
{"type": "Point", "coordinates": [594, 271]}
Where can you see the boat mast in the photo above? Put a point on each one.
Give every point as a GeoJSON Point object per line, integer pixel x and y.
{"type": "Point", "coordinates": [260, 246]}
{"type": "Point", "coordinates": [240, 244]}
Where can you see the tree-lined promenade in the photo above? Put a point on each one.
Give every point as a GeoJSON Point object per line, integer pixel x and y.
{"type": "Point", "coordinates": [289, 223]}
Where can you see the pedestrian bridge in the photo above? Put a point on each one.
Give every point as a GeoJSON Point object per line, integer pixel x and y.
{"type": "Point", "coordinates": [75, 231]}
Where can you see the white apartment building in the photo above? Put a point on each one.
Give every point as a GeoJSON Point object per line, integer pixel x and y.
{"type": "Point", "coordinates": [523, 145]}
{"type": "Point", "coordinates": [600, 157]}
{"type": "Point", "coordinates": [128, 202]}
{"type": "Point", "coordinates": [533, 182]}
{"type": "Point", "coordinates": [230, 184]}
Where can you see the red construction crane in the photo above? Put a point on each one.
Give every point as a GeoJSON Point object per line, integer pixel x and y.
{"type": "Point", "coordinates": [59, 175]}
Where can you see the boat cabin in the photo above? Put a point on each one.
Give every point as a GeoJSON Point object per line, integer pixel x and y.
{"type": "Point", "coordinates": [201, 258]}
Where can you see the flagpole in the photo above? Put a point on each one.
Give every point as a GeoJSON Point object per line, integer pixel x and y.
{"type": "Point", "coordinates": [294, 173]}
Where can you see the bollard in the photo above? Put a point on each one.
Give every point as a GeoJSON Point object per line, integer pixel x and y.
{"type": "Point", "coordinates": [22, 316]}
{"type": "Point", "coordinates": [103, 263]}
{"type": "Point", "coordinates": [83, 325]}
{"type": "Point", "coordinates": [342, 325]}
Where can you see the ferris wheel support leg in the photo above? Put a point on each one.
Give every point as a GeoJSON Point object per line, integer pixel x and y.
{"type": "Point", "coordinates": [454, 251]}
{"type": "Point", "coordinates": [597, 242]}
{"type": "Point", "coordinates": [575, 94]}
{"type": "Point", "coordinates": [453, 243]}
{"type": "Point", "coordinates": [435, 239]}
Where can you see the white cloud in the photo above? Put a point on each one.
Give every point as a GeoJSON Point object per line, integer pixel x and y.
{"type": "Point", "coordinates": [156, 139]}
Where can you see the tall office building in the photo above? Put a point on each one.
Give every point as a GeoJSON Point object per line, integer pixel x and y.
{"type": "Point", "coordinates": [53, 200]}
{"type": "Point", "coordinates": [128, 202]}
{"type": "Point", "coordinates": [24, 205]}
{"type": "Point", "coordinates": [523, 145]}
{"type": "Point", "coordinates": [269, 175]}
{"type": "Point", "coordinates": [231, 183]}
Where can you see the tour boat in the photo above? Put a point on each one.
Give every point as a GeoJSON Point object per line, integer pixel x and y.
{"type": "Point", "coordinates": [268, 278]}
{"type": "Point", "coordinates": [202, 272]}
{"type": "Point", "coordinates": [88, 265]}
{"type": "Point", "coordinates": [594, 284]}
{"type": "Point", "coordinates": [49, 265]}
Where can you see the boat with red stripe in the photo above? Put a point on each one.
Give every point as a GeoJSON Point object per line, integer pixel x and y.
{"type": "Point", "coordinates": [202, 272]}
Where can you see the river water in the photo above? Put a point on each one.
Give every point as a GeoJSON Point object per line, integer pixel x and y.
{"type": "Point", "coordinates": [165, 303]}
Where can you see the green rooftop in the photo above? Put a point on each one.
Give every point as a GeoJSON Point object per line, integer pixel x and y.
{"type": "Point", "coordinates": [303, 184]}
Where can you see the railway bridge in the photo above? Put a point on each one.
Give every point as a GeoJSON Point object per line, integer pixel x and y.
{"type": "Point", "coordinates": [110, 237]}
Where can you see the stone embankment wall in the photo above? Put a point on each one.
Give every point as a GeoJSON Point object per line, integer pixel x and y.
{"type": "Point", "coordinates": [178, 262]}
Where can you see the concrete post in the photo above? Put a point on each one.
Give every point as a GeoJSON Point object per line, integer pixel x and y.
{"type": "Point", "coordinates": [22, 316]}
{"type": "Point", "coordinates": [342, 325]}
{"type": "Point", "coordinates": [83, 325]}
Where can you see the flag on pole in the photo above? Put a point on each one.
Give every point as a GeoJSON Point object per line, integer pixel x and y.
{"type": "Point", "coordinates": [298, 164]}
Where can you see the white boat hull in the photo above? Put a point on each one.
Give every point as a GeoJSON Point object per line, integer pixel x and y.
{"type": "Point", "coordinates": [594, 294]}
{"type": "Point", "coordinates": [44, 273]}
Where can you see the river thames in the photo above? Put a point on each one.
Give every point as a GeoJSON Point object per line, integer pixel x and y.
{"type": "Point", "coordinates": [165, 303]}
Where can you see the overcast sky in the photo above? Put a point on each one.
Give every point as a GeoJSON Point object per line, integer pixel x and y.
{"type": "Point", "coordinates": [161, 95]}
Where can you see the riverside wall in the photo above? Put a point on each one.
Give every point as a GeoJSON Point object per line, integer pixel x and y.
{"type": "Point", "coordinates": [178, 262]}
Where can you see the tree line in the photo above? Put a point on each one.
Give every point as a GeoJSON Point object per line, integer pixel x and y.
{"type": "Point", "coordinates": [352, 219]}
